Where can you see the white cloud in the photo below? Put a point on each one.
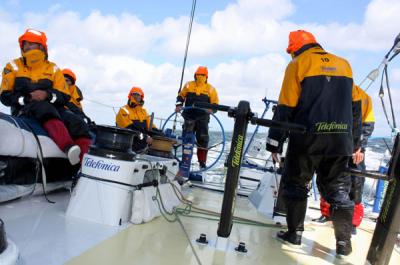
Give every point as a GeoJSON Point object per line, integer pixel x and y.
{"type": "Point", "coordinates": [245, 41]}
{"type": "Point", "coordinates": [248, 26]}
{"type": "Point", "coordinates": [395, 75]}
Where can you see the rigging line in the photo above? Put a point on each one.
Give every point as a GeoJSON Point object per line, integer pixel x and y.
{"type": "Point", "coordinates": [385, 74]}
{"type": "Point", "coordinates": [189, 203]}
{"type": "Point", "coordinates": [386, 115]}
{"type": "Point", "coordinates": [394, 55]}
{"type": "Point", "coordinates": [103, 104]}
{"type": "Point", "coordinates": [381, 94]}
{"type": "Point", "coordinates": [113, 108]}
{"type": "Point", "coordinates": [187, 42]}
{"type": "Point", "coordinates": [392, 48]}
{"type": "Point", "coordinates": [158, 199]}
{"type": "Point", "coordinates": [390, 99]}
{"type": "Point", "coordinates": [38, 163]}
{"type": "Point", "coordinates": [189, 240]}
{"type": "Point", "coordinates": [387, 146]}
{"type": "Point", "coordinates": [186, 52]}
{"type": "Point", "coordinates": [40, 156]}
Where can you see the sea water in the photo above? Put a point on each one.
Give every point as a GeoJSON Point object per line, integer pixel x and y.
{"type": "Point", "coordinates": [377, 155]}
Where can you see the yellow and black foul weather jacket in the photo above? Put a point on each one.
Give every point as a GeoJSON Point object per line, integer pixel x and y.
{"type": "Point", "coordinates": [368, 117]}
{"type": "Point", "coordinates": [192, 93]}
{"type": "Point", "coordinates": [76, 96]}
{"type": "Point", "coordinates": [19, 81]}
{"type": "Point", "coordinates": [318, 92]}
{"type": "Point", "coordinates": [135, 118]}
{"type": "Point", "coordinates": [74, 103]}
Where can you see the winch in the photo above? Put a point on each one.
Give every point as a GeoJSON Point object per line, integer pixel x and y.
{"type": "Point", "coordinates": [111, 172]}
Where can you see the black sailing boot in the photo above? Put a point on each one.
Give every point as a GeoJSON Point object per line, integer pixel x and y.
{"type": "Point", "coordinates": [342, 223]}
{"type": "Point", "coordinates": [293, 238]}
{"type": "Point", "coordinates": [296, 212]}
{"type": "Point", "coordinates": [322, 219]}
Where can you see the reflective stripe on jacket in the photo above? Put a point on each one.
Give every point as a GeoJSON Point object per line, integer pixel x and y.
{"type": "Point", "coordinates": [191, 93]}
{"type": "Point", "coordinates": [133, 118]}
{"type": "Point", "coordinates": [18, 81]}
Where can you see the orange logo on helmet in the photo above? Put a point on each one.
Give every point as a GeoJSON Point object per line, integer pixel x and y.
{"type": "Point", "coordinates": [136, 90]}
{"type": "Point", "coordinates": [298, 39]}
{"type": "Point", "coordinates": [33, 35]}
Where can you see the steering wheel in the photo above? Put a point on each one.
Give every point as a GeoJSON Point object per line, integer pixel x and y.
{"type": "Point", "coordinates": [212, 148]}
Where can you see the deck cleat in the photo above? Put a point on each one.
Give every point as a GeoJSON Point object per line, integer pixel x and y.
{"type": "Point", "coordinates": [202, 239]}
{"type": "Point", "coordinates": [241, 248]}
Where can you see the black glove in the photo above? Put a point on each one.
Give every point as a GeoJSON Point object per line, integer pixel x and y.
{"type": "Point", "coordinates": [92, 125]}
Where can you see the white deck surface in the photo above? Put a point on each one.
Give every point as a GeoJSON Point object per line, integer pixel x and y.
{"type": "Point", "coordinates": [45, 236]}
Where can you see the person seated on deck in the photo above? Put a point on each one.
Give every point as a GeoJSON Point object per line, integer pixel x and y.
{"type": "Point", "coordinates": [35, 87]}
{"type": "Point", "coordinates": [75, 102]}
{"type": "Point", "coordinates": [133, 116]}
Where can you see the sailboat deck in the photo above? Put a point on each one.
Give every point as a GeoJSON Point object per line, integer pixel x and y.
{"type": "Point", "coordinates": [45, 236]}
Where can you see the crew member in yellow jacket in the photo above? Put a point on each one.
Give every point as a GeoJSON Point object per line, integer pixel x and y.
{"type": "Point", "coordinates": [35, 87]}
{"type": "Point", "coordinates": [134, 116]}
{"type": "Point", "coordinates": [197, 120]}
{"type": "Point", "coordinates": [318, 93]}
{"type": "Point", "coordinates": [75, 102]}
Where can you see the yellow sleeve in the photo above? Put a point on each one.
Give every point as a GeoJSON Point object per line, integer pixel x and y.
{"type": "Point", "coordinates": [59, 82]}
{"type": "Point", "coordinates": [213, 96]}
{"type": "Point", "coordinates": [8, 79]}
{"type": "Point", "coordinates": [122, 119]}
{"type": "Point", "coordinates": [184, 91]}
{"type": "Point", "coordinates": [291, 88]}
{"type": "Point", "coordinates": [75, 96]}
{"type": "Point", "coordinates": [368, 113]}
{"type": "Point", "coordinates": [357, 96]}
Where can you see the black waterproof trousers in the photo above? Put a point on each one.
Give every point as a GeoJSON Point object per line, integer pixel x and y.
{"type": "Point", "coordinates": [357, 183]}
{"type": "Point", "coordinates": [199, 126]}
{"type": "Point", "coordinates": [44, 111]}
{"type": "Point", "coordinates": [334, 186]}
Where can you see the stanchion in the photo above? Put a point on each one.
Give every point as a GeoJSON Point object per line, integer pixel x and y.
{"type": "Point", "coordinates": [242, 115]}
{"type": "Point", "coordinates": [388, 222]}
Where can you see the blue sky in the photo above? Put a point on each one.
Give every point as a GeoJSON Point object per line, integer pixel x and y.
{"type": "Point", "coordinates": [154, 10]}
{"type": "Point", "coordinates": [113, 45]}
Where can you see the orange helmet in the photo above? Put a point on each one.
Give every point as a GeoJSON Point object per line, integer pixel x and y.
{"type": "Point", "coordinates": [69, 73]}
{"type": "Point", "coordinates": [202, 70]}
{"type": "Point", "coordinates": [298, 39]}
{"type": "Point", "coordinates": [33, 35]}
{"type": "Point", "coordinates": [136, 90]}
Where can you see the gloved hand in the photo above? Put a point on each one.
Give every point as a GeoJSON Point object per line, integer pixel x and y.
{"type": "Point", "coordinates": [275, 157]}
{"type": "Point", "coordinates": [89, 122]}
{"type": "Point", "coordinates": [92, 126]}
{"type": "Point", "coordinates": [178, 108]}
{"type": "Point", "coordinates": [38, 95]}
